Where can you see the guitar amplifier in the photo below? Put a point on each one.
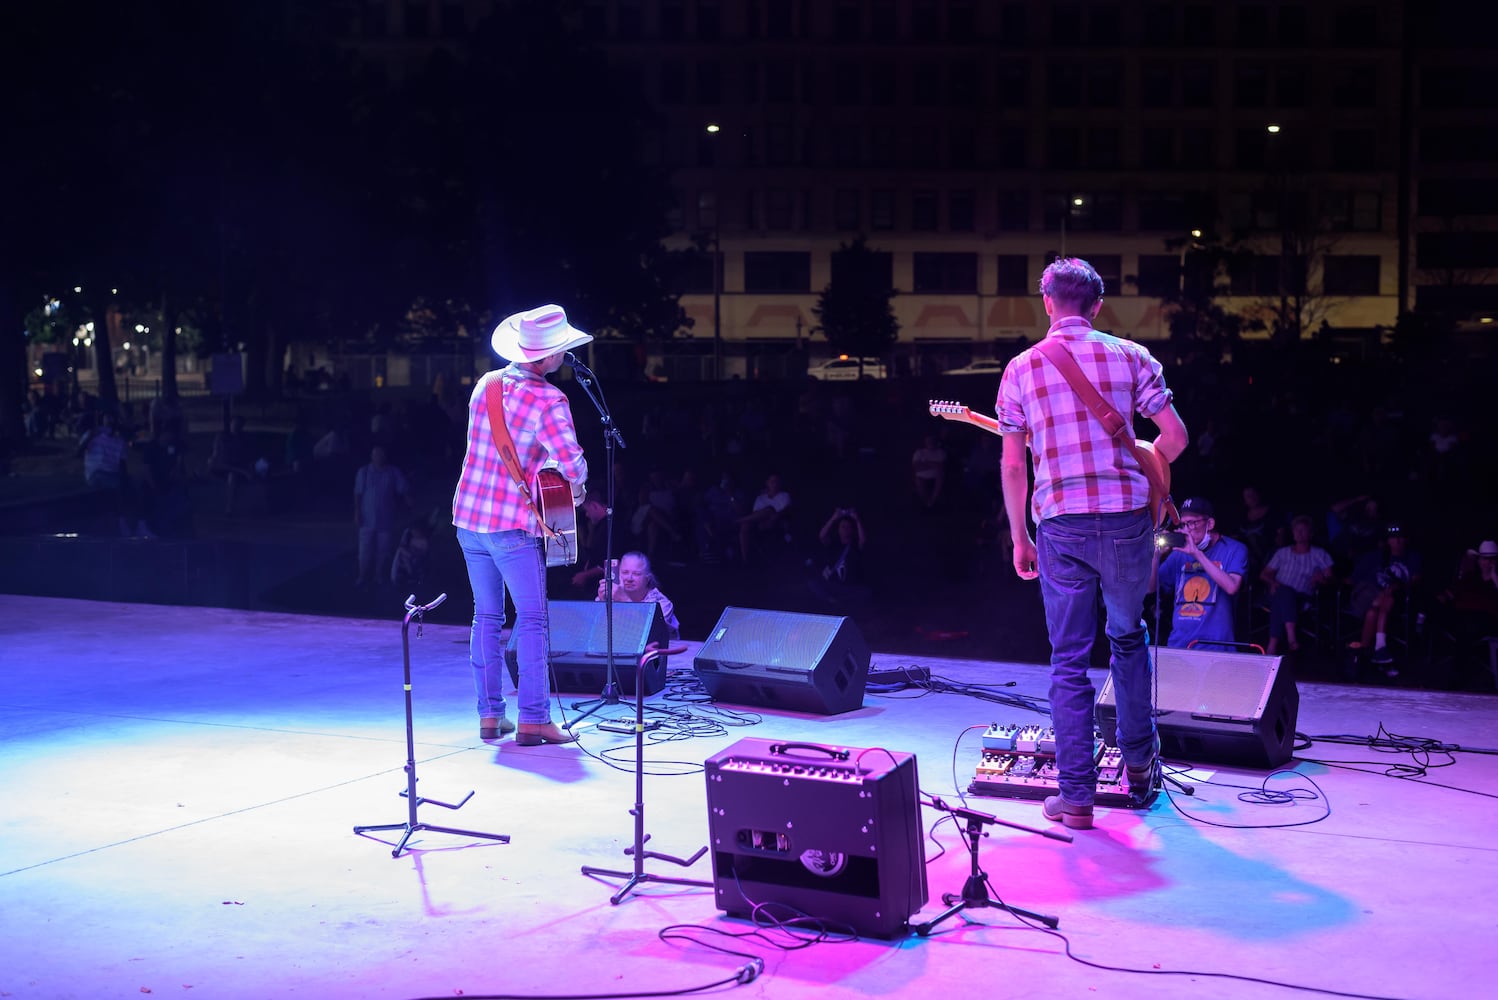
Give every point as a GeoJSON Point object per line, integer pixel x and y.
{"type": "Point", "coordinates": [831, 831]}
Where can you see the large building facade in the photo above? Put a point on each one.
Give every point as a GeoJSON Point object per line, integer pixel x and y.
{"type": "Point", "coordinates": [970, 141]}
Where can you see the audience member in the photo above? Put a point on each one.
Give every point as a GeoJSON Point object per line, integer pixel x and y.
{"type": "Point", "coordinates": [842, 538]}
{"type": "Point", "coordinates": [592, 542]}
{"type": "Point", "coordinates": [1261, 528]}
{"type": "Point", "coordinates": [770, 514]}
{"type": "Point", "coordinates": [104, 452]}
{"type": "Point", "coordinates": [636, 583]}
{"type": "Point", "coordinates": [929, 466]}
{"type": "Point", "coordinates": [1204, 573]}
{"type": "Point", "coordinates": [1293, 573]}
{"type": "Point", "coordinates": [1471, 602]}
{"type": "Point", "coordinates": [380, 491]}
{"type": "Point", "coordinates": [1380, 580]}
{"type": "Point", "coordinates": [723, 504]}
{"type": "Point", "coordinates": [408, 568]}
{"type": "Point", "coordinates": [232, 458]}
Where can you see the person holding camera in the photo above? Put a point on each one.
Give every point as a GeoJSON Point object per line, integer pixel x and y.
{"type": "Point", "coordinates": [1203, 571]}
{"type": "Point", "coordinates": [842, 538]}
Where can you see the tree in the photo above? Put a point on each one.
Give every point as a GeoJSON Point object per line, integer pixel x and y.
{"type": "Point", "coordinates": [854, 310]}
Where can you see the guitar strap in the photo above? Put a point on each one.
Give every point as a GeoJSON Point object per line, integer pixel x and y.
{"type": "Point", "coordinates": [1056, 352]}
{"type": "Point", "coordinates": [494, 399]}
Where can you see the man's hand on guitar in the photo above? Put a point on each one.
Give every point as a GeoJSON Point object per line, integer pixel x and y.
{"type": "Point", "coordinates": [1024, 558]}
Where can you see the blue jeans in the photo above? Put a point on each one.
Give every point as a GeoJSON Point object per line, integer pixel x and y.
{"type": "Point", "coordinates": [1080, 556]}
{"type": "Point", "coordinates": [498, 561]}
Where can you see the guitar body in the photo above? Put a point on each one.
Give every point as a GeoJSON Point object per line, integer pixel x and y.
{"type": "Point", "coordinates": [1156, 469]}
{"type": "Point", "coordinates": [553, 495]}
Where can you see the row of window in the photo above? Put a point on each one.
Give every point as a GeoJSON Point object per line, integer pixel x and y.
{"type": "Point", "coordinates": [929, 145]}
{"type": "Point", "coordinates": [970, 82]}
{"type": "Point", "coordinates": [943, 272]}
{"type": "Point", "coordinates": [922, 210]}
{"type": "Point", "coordinates": [1012, 22]}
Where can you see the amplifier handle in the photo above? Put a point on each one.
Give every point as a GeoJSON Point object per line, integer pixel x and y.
{"type": "Point", "coordinates": [783, 748]}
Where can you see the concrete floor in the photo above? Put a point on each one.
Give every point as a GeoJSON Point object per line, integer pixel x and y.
{"type": "Point", "coordinates": [181, 786]}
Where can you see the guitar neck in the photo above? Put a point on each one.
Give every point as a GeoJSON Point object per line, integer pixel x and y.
{"type": "Point", "coordinates": [963, 415]}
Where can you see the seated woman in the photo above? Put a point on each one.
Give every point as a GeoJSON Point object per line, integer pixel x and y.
{"type": "Point", "coordinates": [637, 584]}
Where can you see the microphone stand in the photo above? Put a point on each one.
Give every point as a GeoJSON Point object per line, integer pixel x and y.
{"type": "Point", "coordinates": [974, 893]}
{"type": "Point", "coordinates": [412, 825]}
{"type": "Point", "coordinates": [638, 876]}
{"type": "Point", "coordinates": [609, 696]}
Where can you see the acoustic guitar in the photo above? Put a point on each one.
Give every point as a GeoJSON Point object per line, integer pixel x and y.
{"type": "Point", "coordinates": [553, 496]}
{"type": "Point", "coordinates": [1156, 469]}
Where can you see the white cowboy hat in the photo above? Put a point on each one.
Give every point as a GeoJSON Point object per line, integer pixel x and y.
{"type": "Point", "coordinates": [535, 334]}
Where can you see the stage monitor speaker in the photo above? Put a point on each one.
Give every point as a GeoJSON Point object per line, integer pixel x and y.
{"type": "Point", "coordinates": [1224, 708]}
{"type": "Point", "coordinates": [781, 659]}
{"type": "Point", "coordinates": [579, 646]}
{"type": "Point", "coordinates": [832, 831]}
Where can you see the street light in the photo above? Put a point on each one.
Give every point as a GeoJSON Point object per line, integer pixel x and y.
{"type": "Point", "coordinates": [713, 129]}
{"type": "Point", "coordinates": [1075, 200]}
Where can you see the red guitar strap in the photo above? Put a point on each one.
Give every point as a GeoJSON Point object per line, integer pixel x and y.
{"type": "Point", "coordinates": [1056, 352]}
{"type": "Point", "coordinates": [494, 399]}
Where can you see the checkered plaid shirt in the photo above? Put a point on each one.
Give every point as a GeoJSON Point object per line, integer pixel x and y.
{"type": "Point", "coordinates": [540, 420]}
{"type": "Point", "coordinates": [1079, 469]}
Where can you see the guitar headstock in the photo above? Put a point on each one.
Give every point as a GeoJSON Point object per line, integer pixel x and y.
{"type": "Point", "coordinates": [948, 410]}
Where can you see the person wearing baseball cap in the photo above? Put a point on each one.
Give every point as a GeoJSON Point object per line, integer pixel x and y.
{"type": "Point", "coordinates": [1203, 573]}
{"type": "Point", "coordinates": [497, 522]}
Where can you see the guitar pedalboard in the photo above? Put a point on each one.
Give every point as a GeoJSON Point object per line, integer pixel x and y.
{"type": "Point", "coordinates": [1019, 762]}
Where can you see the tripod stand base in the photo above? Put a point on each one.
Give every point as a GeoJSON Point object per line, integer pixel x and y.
{"type": "Point", "coordinates": [975, 897]}
{"type": "Point", "coordinates": [633, 880]}
{"type": "Point", "coordinates": [412, 828]}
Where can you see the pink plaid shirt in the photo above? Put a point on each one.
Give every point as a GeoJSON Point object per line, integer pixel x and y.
{"type": "Point", "coordinates": [540, 420]}
{"type": "Point", "coordinates": [1079, 469]}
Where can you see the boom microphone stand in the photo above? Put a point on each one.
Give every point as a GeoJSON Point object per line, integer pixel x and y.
{"type": "Point", "coordinates": [611, 437]}
{"type": "Point", "coordinates": [411, 825]}
{"type": "Point", "coordinates": [638, 852]}
{"type": "Point", "coordinates": [975, 890]}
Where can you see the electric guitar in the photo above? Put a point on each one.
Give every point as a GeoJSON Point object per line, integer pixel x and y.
{"type": "Point", "coordinates": [1156, 469]}
{"type": "Point", "coordinates": [553, 496]}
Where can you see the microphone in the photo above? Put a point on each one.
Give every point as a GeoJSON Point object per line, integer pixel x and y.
{"type": "Point", "coordinates": [573, 361]}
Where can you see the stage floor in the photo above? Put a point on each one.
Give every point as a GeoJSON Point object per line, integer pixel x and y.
{"type": "Point", "coordinates": [181, 786]}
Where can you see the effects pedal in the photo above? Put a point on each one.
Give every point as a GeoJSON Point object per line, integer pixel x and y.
{"type": "Point", "coordinates": [1019, 762]}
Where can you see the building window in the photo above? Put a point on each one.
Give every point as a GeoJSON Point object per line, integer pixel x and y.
{"type": "Point", "coordinates": [1251, 148]}
{"type": "Point", "coordinates": [1013, 211]}
{"type": "Point", "coordinates": [1198, 84]}
{"type": "Point", "coordinates": [1064, 147]}
{"type": "Point", "coordinates": [961, 211]}
{"type": "Point", "coordinates": [673, 20]}
{"type": "Point", "coordinates": [780, 82]}
{"type": "Point", "coordinates": [1253, 25]}
{"type": "Point", "coordinates": [1261, 274]}
{"type": "Point", "coordinates": [1199, 24]}
{"type": "Point", "coordinates": [847, 146]}
{"type": "Point", "coordinates": [777, 271]}
{"type": "Point", "coordinates": [1013, 274]}
{"type": "Point", "coordinates": [945, 272]}
{"type": "Point", "coordinates": [1014, 23]}
{"type": "Point", "coordinates": [925, 21]}
{"type": "Point", "coordinates": [847, 83]}
{"type": "Point", "coordinates": [1010, 79]}
{"type": "Point", "coordinates": [1350, 274]}
{"type": "Point", "coordinates": [1011, 151]}
{"type": "Point", "coordinates": [779, 145]}
{"type": "Point", "coordinates": [631, 20]}
{"type": "Point", "coordinates": [882, 146]}
{"type": "Point", "coordinates": [709, 83]}
{"type": "Point", "coordinates": [1109, 267]}
{"type": "Point", "coordinates": [881, 269]}
{"type": "Point", "coordinates": [1103, 148]}
{"type": "Point", "coordinates": [418, 23]}
{"type": "Point", "coordinates": [1159, 24]}
{"type": "Point", "coordinates": [1104, 84]}
{"type": "Point", "coordinates": [884, 82]}
{"type": "Point", "coordinates": [1159, 275]}
{"type": "Point", "coordinates": [928, 84]}
{"type": "Point", "coordinates": [1356, 24]}
{"type": "Point", "coordinates": [1156, 85]}
{"type": "Point", "coordinates": [707, 211]}
{"type": "Point", "coordinates": [1354, 149]}
{"type": "Point", "coordinates": [1064, 85]}
{"type": "Point", "coordinates": [1156, 148]}
{"type": "Point", "coordinates": [1292, 86]}
{"type": "Point", "coordinates": [847, 210]}
{"type": "Point", "coordinates": [923, 211]}
{"type": "Point", "coordinates": [673, 81]}
{"type": "Point", "coordinates": [962, 148]}
{"type": "Point", "coordinates": [709, 20]}
{"type": "Point", "coordinates": [780, 209]}
{"type": "Point", "coordinates": [962, 20]}
{"type": "Point", "coordinates": [1176, 212]}
{"type": "Point", "coordinates": [778, 21]}
{"type": "Point", "coordinates": [883, 25]}
{"type": "Point", "coordinates": [1250, 85]}
{"type": "Point", "coordinates": [451, 19]}
{"type": "Point", "coordinates": [925, 149]}
{"type": "Point", "coordinates": [1290, 20]}
{"type": "Point", "coordinates": [1355, 87]}
{"type": "Point", "coordinates": [847, 20]}
{"type": "Point", "coordinates": [963, 88]}
{"type": "Point", "coordinates": [882, 210]}
{"type": "Point", "coordinates": [1198, 148]}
